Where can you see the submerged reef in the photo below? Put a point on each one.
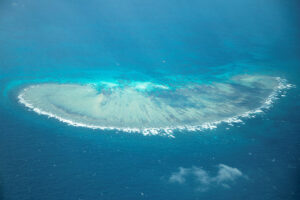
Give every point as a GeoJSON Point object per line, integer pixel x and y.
{"type": "Point", "coordinates": [152, 108]}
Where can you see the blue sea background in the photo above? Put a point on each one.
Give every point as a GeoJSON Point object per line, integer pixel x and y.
{"type": "Point", "coordinates": [42, 158]}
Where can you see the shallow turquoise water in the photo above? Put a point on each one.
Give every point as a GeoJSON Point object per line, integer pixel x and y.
{"type": "Point", "coordinates": [165, 42]}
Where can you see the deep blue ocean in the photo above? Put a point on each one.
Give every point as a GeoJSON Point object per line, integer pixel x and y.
{"type": "Point", "coordinates": [61, 40]}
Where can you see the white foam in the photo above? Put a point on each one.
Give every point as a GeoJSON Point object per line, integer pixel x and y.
{"type": "Point", "coordinates": [169, 131]}
{"type": "Point", "coordinates": [148, 86]}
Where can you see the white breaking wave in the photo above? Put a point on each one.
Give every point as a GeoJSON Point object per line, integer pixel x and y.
{"type": "Point", "coordinates": [151, 114]}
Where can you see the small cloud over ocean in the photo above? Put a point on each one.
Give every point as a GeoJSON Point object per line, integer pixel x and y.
{"type": "Point", "coordinates": [204, 180]}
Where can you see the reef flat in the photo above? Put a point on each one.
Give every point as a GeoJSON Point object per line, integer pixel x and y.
{"type": "Point", "coordinates": [152, 108]}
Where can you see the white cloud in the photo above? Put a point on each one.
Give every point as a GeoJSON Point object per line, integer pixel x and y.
{"type": "Point", "coordinates": [227, 173]}
{"type": "Point", "coordinates": [224, 177]}
{"type": "Point", "coordinates": [179, 177]}
{"type": "Point", "coordinates": [201, 175]}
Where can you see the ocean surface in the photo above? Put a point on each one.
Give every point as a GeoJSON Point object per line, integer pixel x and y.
{"type": "Point", "coordinates": [138, 99]}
